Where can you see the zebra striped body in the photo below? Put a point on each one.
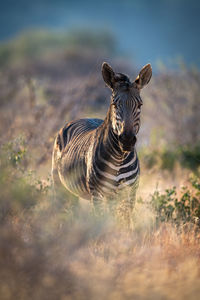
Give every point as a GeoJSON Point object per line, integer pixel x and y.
{"type": "Point", "coordinates": [97, 159]}
{"type": "Point", "coordinates": [87, 168]}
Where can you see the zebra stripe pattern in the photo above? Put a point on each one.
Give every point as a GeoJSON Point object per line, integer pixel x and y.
{"type": "Point", "coordinates": [96, 159]}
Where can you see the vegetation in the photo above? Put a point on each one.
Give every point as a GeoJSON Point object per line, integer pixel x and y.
{"type": "Point", "coordinates": [46, 252]}
{"type": "Point", "coordinates": [183, 209]}
{"type": "Point", "coordinates": [58, 250]}
{"type": "Point", "coordinates": [39, 44]}
{"type": "Point", "coordinates": [187, 156]}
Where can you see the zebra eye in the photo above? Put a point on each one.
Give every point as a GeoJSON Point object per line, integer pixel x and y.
{"type": "Point", "coordinates": [139, 107]}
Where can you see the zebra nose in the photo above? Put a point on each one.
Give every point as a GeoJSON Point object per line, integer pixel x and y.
{"type": "Point", "coordinates": [128, 138]}
{"type": "Point", "coordinates": [132, 139]}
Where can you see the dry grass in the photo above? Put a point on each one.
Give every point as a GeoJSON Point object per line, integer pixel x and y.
{"type": "Point", "coordinates": [46, 257]}
{"type": "Point", "coordinates": [163, 265]}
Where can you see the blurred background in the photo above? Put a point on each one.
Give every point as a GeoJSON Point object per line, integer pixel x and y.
{"type": "Point", "coordinates": [51, 52]}
{"type": "Point", "coordinates": [156, 31]}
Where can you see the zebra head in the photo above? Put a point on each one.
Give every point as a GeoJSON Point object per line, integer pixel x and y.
{"type": "Point", "coordinates": [126, 103]}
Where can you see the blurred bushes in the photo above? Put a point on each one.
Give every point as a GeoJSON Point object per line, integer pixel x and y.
{"type": "Point", "coordinates": [37, 45]}
{"type": "Point", "coordinates": [159, 158]}
{"type": "Point", "coordinates": [178, 209]}
{"type": "Point", "coordinates": [171, 109]}
{"type": "Point", "coordinates": [18, 192]}
{"type": "Point", "coordinates": [13, 152]}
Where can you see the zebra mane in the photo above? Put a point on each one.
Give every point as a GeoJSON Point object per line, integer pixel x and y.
{"type": "Point", "coordinates": [122, 78]}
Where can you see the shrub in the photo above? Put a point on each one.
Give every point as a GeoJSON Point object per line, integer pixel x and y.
{"type": "Point", "coordinates": [190, 156]}
{"type": "Point", "coordinates": [165, 159]}
{"type": "Point", "coordinates": [169, 206]}
{"type": "Point", "coordinates": [19, 191]}
{"type": "Point", "coordinates": [171, 108]}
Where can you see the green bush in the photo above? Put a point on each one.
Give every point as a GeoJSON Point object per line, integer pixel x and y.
{"type": "Point", "coordinates": [165, 159]}
{"type": "Point", "coordinates": [18, 192]}
{"type": "Point", "coordinates": [190, 157]}
{"type": "Point", "coordinates": [13, 152]}
{"type": "Point", "coordinates": [185, 208]}
{"type": "Point", "coordinates": [168, 159]}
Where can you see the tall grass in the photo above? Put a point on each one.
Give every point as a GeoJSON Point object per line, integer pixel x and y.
{"type": "Point", "coordinates": [47, 252]}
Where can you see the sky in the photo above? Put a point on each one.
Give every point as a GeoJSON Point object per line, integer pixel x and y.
{"type": "Point", "coordinates": [145, 30]}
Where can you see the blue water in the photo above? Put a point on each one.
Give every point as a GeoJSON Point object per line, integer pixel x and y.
{"type": "Point", "coordinates": [146, 31]}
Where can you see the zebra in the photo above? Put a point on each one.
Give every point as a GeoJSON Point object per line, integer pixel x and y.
{"type": "Point", "coordinates": [96, 159]}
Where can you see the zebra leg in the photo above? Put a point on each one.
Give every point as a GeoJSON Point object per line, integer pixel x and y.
{"type": "Point", "coordinates": [98, 205]}
{"type": "Point", "coordinates": [125, 210]}
{"type": "Point", "coordinates": [132, 194]}
{"type": "Point", "coordinates": [131, 203]}
{"type": "Point", "coordinates": [132, 198]}
{"type": "Point", "coordinates": [56, 184]}
{"type": "Point", "coordinates": [112, 203]}
{"type": "Point", "coordinates": [63, 200]}
{"type": "Point", "coordinates": [58, 190]}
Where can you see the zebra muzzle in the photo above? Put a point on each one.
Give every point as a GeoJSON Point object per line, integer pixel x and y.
{"type": "Point", "coordinates": [127, 141]}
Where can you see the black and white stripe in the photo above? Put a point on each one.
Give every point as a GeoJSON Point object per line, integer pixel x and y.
{"type": "Point", "coordinates": [90, 155]}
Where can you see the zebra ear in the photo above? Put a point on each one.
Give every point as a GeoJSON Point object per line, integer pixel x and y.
{"type": "Point", "coordinates": [144, 76]}
{"type": "Point", "coordinates": [108, 74]}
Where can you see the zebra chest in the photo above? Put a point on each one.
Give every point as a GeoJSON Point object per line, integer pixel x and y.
{"type": "Point", "coordinates": [123, 175]}
{"type": "Point", "coordinates": [110, 179]}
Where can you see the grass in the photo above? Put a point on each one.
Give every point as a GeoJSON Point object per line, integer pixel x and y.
{"type": "Point", "coordinates": [51, 252]}
{"type": "Point", "coordinates": [84, 259]}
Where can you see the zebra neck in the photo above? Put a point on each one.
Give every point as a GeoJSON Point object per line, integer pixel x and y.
{"type": "Point", "coordinates": [109, 145]}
